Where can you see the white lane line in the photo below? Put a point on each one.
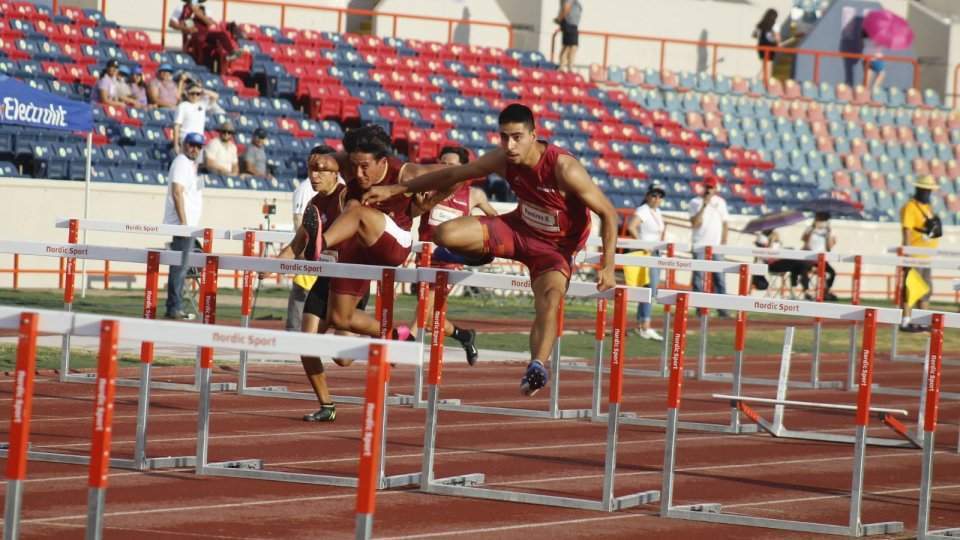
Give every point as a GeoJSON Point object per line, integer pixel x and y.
{"type": "Point", "coordinates": [175, 534]}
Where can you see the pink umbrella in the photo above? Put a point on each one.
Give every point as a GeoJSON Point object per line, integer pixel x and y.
{"type": "Point", "coordinates": [888, 29]}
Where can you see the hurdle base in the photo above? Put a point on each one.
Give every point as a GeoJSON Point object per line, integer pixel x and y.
{"type": "Point", "coordinates": [894, 391]}
{"type": "Point", "coordinates": [169, 462]}
{"type": "Point", "coordinates": [632, 419]}
{"type": "Point", "coordinates": [91, 378]}
{"type": "Point", "coordinates": [284, 393]}
{"type": "Point", "coordinates": [942, 534]}
{"type": "Point", "coordinates": [780, 432]}
{"type": "Point", "coordinates": [713, 513]}
{"type": "Point", "coordinates": [422, 403]}
{"type": "Point", "coordinates": [617, 503]}
{"type": "Point", "coordinates": [635, 372]}
{"type": "Point", "coordinates": [819, 385]}
{"type": "Point", "coordinates": [563, 414]}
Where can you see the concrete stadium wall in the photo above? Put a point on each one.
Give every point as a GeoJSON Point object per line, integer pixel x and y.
{"type": "Point", "coordinates": [34, 205]}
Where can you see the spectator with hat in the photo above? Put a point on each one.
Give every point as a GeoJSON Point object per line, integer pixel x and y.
{"type": "Point", "coordinates": [647, 225]}
{"type": "Point", "coordinates": [921, 228]}
{"type": "Point", "coordinates": [220, 154]}
{"type": "Point", "coordinates": [708, 218]}
{"type": "Point", "coordinates": [138, 88]}
{"type": "Point", "coordinates": [107, 89]}
{"type": "Point", "coordinates": [162, 91]}
{"type": "Point", "coordinates": [183, 206]}
{"type": "Point", "coordinates": [255, 157]}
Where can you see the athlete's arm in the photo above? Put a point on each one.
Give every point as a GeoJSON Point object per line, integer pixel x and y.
{"type": "Point", "coordinates": [478, 199]}
{"type": "Point", "coordinates": [440, 179]}
{"type": "Point", "coordinates": [178, 204]}
{"type": "Point", "coordinates": [575, 181]}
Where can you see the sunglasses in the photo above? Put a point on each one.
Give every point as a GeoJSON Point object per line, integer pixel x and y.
{"type": "Point", "coordinates": [228, 132]}
{"type": "Point", "coordinates": [195, 94]}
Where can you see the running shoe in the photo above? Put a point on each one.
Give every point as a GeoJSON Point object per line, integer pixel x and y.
{"type": "Point", "coordinates": [442, 254]}
{"type": "Point", "coordinates": [327, 413]}
{"type": "Point", "coordinates": [470, 347]}
{"type": "Point", "coordinates": [314, 228]}
{"type": "Point", "coordinates": [534, 379]}
{"type": "Point", "coordinates": [651, 334]}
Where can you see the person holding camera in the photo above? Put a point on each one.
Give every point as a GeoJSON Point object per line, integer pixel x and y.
{"type": "Point", "coordinates": [708, 220]}
{"type": "Point", "coordinates": [921, 228]}
{"type": "Point", "coordinates": [819, 238]}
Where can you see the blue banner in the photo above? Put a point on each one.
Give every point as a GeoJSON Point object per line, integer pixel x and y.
{"type": "Point", "coordinates": [23, 105]}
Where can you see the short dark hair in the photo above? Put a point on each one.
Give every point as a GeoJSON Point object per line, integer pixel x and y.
{"type": "Point", "coordinates": [369, 139]}
{"type": "Point", "coordinates": [460, 151]}
{"type": "Point", "coordinates": [322, 150]}
{"type": "Point", "coordinates": [516, 113]}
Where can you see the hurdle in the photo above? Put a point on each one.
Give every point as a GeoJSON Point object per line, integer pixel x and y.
{"type": "Point", "coordinates": [937, 321]}
{"type": "Point", "coordinates": [74, 225]}
{"type": "Point", "coordinates": [820, 260]}
{"type": "Point", "coordinates": [608, 501]}
{"type": "Point", "coordinates": [713, 512]}
{"type": "Point", "coordinates": [105, 253]}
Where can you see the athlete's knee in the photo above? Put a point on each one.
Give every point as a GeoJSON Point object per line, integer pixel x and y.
{"type": "Point", "coordinates": [343, 362]}
{"type": "Point", "coordinates": [444, 234]}
{"type": "Point", "coordinates": [341, 319]}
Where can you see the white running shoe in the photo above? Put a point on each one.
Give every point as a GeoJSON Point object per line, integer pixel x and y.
{"type": "Point", "coordinates": [651, 334]}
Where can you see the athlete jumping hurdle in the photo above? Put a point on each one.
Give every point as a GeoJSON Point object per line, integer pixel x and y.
{"type": "Point", "coordinates": [548, 228]}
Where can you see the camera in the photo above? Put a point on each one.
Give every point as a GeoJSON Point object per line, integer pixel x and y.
{"type": "Point", "coordinates": [269, 208]}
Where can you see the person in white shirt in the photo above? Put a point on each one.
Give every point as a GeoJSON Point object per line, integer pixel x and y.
{"type": "Point", "coordinates": [708, 217]}
{"type": "Point", "coordinates": [220, 156]}
{"type": "Point", "coordinates": [820, 239]}
{"type": "Point", "coordinates": [647, 225]}
{"type": "Point", "coordinates": [183, 206]}
{"type": "Point", "coordinates": [191, 116]}
{"type": "Point", "coordinates": [302, 283]}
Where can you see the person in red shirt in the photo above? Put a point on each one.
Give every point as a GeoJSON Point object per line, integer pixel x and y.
{"type": "Point", "coordinates": [375, 234]}
{"type": "Point", "coordinates": [325, 206]}
{"type": "Point", "coordinates": [551, 222]}
{"type": "Point", "coordinates": [460, 203]}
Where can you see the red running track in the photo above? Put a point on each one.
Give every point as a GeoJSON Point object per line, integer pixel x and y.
{"type": "Point", "coordinates": [750, 474]}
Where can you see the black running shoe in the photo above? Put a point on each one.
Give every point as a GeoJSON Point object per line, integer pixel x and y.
{"type": "Point", "coordinates": [470, 347]}
{"type": "Point", "coordinates": [327, 413]}
{"type": "Point", "coordinates": [314, 228]}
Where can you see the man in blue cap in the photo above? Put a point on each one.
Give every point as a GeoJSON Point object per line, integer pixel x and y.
{"type": "Point", "coordinates": [183, 206]}
{"type": "Point", "coordinates": [163, 92]}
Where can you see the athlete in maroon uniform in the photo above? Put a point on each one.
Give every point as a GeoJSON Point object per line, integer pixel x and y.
{"type": "Point", "coordinates": [374, 234]}
{"type": "Point", "coordinates": [325, 207]}
{"type": "Point", "coordinates": [546, 230]}
{"type": "Point", "coordinates": [463, 200]}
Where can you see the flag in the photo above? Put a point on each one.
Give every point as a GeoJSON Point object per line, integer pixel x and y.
{"type": "Point", "coordinates": [917, 287]}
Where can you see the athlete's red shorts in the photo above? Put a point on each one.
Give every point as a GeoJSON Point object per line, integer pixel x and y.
{"type": "Point", "coordinates": [388, 250]}
{"type": "Point", "coordinates": [507, 236]}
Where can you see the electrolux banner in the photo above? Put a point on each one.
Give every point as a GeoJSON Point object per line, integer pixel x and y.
{"type": "Point", "coordinates": [23, 105]}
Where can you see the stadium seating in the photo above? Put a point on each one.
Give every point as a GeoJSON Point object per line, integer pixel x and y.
{"type": "Point", "coordinates": [772, 146]}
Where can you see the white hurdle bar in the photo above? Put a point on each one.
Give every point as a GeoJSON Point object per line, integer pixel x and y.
{"type": "Point", "coordinates": [744, 271]}
{"type": "Point", "coordinates": [608, 502]}
{"type": "Point", "coordinates": [820, 260]}
{"type": "Point", "coordinates": [937, 321]}
{"type": "Point", "coordinates": [120, 254]}
{"type": "Point", "coordinates": [712, 512]}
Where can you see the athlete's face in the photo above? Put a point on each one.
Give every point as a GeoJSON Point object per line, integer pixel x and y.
{"type": "Point", "coordinates": [367, 169]}
{"type": "Point", "coordinates": [450, 159]}
{"type": "Point", "coordinates": [322, 172]}
{"type": "Point", "coordinates": [517, 141]}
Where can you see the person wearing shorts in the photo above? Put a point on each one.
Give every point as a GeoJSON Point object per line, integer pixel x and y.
{"type": "Point", "coordinates": [375, 234]}
{"type": "Point", "coordinates": [549, 226]}
{"type": "Point", "coordinates": [460, 203]}
{"type": "Point", "coordinates": [569, 21]}
{"type": "Point", "coordinates": [325, 206]}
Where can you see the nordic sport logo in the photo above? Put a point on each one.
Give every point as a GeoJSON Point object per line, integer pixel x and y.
{"type": "Point", "coordinates": [52, 116]}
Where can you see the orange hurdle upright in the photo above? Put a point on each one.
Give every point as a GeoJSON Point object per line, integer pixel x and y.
{"type": "Point", "coordinates": [20, 423]}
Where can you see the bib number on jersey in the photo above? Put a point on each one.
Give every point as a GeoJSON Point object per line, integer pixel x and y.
{"type": "Point", "coordinates": [540, 218]}
{"type": "Point", "coordinates": [441, 214]}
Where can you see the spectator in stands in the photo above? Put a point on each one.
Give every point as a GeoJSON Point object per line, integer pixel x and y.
{"type": "Point", "coordinates": [183, 18]}
{"type": "Point", "coordinates": [163, 92]}
{"type": "Point", "coordinates": [647, 225]}
{"type": "Point", "coordinates": [569, 21]}
{"type": "Point", "coordinates": [183, 206]}
{"type": "Point", "coordinates": [107, 89]}
{"type": "Point", "coordinates": [921, 228]}
{"type": "Point", "coordinates": [708, 218]}
{"type": "Point", "coordinates": [796, 269]}
{"type": "Point", "coordinates": [255, 158]}
{"type": "Point", "coordinates": [138, 88]}
{"type": "Point", "coordinates": [873, 63]}
{"type": "Point", "coordinates": [819, 239]}
{"type": "Point", "coordinates": [191, 115]}
{"type": "Point", "coordinates": [302, 284]}
{"type": "Point", "coordinates": [767, 36]}
{"type": "Point", "coordinates": [220, 154]}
